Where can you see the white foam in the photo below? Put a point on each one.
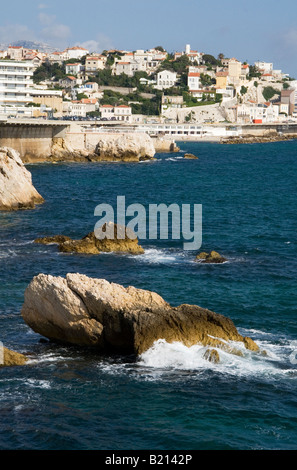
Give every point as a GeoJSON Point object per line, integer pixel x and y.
{"type": "Point", "coordinates": [155, 256]}
{"type": "Point", "coordinates": [162, 357]}
{"type": "Point", "coordinates": [45, 384]}
{"type": "Point", "coordinates": [173, 159]}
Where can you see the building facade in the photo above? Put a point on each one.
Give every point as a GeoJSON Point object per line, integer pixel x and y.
{"type": "Point", "coordinates": [16, 83]}
{"type": "Point", "coordinates": [166, 79]}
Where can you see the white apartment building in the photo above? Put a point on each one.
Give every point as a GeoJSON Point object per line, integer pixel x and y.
{"type": "Point", "coordinates": [266, 67]}
{"type": "Point", "coordinates": [74, 68]}
{"type": "Point", "coordinates": [128, 68]}
{"type": "Point", "coordinates": [95, 63]}
{"type": "Point", "coordinates": [16, 84]}
{"type": "Point", "coordinates": [123, 113]}
{"type": "Point", "coordinates": [166, 79]}
{"type": "Point", "coordinates": [74, 109]}
{"type": "Point", "coordinates": [116, 113]}
{"type": "Point", "coordinates": [262, 113]}
{"type": "Point", "coordinates": [76, 52]}
{"type": "Point", "coordinates": [149, 60]}
{"type": "Point", "coordinates": [194, 81]}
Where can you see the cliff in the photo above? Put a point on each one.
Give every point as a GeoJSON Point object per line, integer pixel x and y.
{"type": "Point", "coordinates": [16, 188]}
{"type": "Point", "coordinates": [111, 147]}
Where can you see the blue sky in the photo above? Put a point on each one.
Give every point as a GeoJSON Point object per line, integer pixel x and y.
{"type": "Point", "coordinates": [253, 30]}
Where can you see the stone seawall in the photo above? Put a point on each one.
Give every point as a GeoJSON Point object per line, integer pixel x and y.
{"type": "Point", "coordinates": [34, 143]}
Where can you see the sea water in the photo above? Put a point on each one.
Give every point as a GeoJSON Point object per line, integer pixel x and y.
{"type": "Point", "coordinates": [170, 397]}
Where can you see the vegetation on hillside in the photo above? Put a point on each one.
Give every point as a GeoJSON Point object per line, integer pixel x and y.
{"type": "Point", "coordinates": [48, 71]}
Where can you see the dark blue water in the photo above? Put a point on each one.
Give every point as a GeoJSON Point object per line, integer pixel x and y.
{"type": "Point", "coordinates": [170, 398]}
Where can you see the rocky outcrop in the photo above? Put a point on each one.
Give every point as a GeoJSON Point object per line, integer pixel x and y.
{"type": "Point", "coordinates": [212, 257]}
{"type": "Point", "coordinates": [110, 147]}
{"type": "Point", "coordinates": [126, 148]}
{"type": "Point", "coordinates": [190, 156]}
{"type": "Point", "coordinates": [212, 355]}
{"type": "Point", "coordinates": [16, 188]}
{"type": "Point", "coordinates": [94, 312]}
{"type": "Point", "coordinates": [53, 240]}
{"type": "Point", "coordinates": [123, 240]}
{"type": "Point", "coordinates": [257, 139]}
{"type": "Point", "coordinates": [164, 144]}
{"type": "Point", "coordinates": [11, 358]}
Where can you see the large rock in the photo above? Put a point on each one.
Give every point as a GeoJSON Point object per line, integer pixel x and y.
{"type": "Point", "coordinates": [16, 188]}
{"type": "Point", "coordinates": [90, 244]}
{"type": "Point", "coordinates": [93, 312]}
{"type": "Point", "coordinates": [125, 147]}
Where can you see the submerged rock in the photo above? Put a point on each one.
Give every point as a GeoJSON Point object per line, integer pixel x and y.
{"type": "Point", "coordinates": [12, 358]}
{"type": "Point", "coordinates": [16, 188]}
{"type": "Point", "coordinates": [94, 312]}
{"type": "Point", "coordinates": [212, 257]}
{"type": "Point", "coordinates": [190, 156]}
{"type": "Point", "coordinates": [212, 355]}
{"type": "Point", "coordinates": [123, 240]}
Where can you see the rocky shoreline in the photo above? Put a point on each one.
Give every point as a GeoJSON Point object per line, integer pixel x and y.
{"type": "Point", "coordinates": [133, 147]}
{"type": "Point", "coordinates": [252, 139]}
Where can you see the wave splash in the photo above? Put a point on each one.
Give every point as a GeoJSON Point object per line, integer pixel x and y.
{"type": "Point", "coordinates": [274, 363]}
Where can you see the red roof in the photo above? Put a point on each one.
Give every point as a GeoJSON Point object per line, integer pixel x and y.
{"type": "Point", "coordinates": [194, 74]}
{"type": "Point", "coordinates": [89, 101]}
{"type": "Point", "coordinates": [201, 91]}
{"type": "Point", "coordinates": [76, 49]}
{"type": "Point", "coordinates": [95, 58]}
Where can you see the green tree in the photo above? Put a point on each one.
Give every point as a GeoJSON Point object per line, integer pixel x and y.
{"type": "Point", "coordinates": [243, 90]}
{"type": "Point", "coordinates": [49, 71]}
{"type": "Point", "coordinates": [210, 60]}
{"type": "Point", "coordinates": [269, 93]}
{"type": "Point", "coordinates": [81, 96]}
{"type": "Point", "coordinates": [254, 72]}
{"type": "Point", "coordinates": [206, 80]}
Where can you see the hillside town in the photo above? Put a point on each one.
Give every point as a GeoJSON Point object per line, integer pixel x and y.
{"type": "Point", "coordinates": [143, 86]}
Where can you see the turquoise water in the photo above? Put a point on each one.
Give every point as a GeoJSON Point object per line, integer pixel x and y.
{"type": "Point", "coordinates": [169, 398]}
